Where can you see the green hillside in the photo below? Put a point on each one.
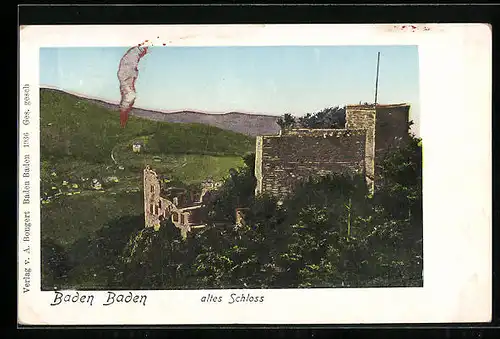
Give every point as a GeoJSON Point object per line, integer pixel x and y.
{"type": "Point", "coordinates": [82, 141]}
{"type": "Point", "coordinates": [76, 127]}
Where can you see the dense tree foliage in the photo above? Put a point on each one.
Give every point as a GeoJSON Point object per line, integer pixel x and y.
{"type": "Point", "coordinates": [55, 265]}
{"type": "Point", "coordinates": [286, 121]}
{"type": "Point", "coordinates": [330, 233]}
{"type": "Point", "coordinates": [331, 117]}
{"type": "Point", "coordinates": [237, 191]}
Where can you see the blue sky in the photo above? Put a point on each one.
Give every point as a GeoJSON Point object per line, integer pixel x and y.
{"type": "Point", "coordinates": [264, 80]}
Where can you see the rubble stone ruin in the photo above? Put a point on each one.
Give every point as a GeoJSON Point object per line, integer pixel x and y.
{"type": "Point", "coordinates": [184, 208]}
{"type": "Point", "coordinates": [281, 161]}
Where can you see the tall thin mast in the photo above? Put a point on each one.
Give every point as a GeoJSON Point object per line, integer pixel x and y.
{"type": "Point", "coordinates": [376, 81]}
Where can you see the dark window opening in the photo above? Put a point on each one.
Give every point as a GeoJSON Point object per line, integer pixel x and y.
{"type": "Point", "coordinates": [152, 188]}
{"type": "Point", "coordinates": [175, 217]}
{"type": "Point", "coordinates": [151, 208]}
{"type": "Point", "coordinates": [182, 219]}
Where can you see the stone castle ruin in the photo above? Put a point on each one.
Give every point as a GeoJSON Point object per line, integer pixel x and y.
{"type": "Point", "coordinates": [281, 161]}
{"type": "Point", "coordinates": [183, 207]}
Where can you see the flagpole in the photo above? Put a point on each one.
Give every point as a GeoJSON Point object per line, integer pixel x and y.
{"type": "Point", "coordinates": [376, 80]}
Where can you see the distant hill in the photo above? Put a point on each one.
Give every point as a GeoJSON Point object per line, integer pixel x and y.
{"type": "Point", "coordinates": [249, 124]}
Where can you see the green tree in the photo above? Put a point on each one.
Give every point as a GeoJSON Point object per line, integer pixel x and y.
{"type": "Point", "coordinates": [96, 261]}
{"type": "Point", "coordinates": [287, 121]}
{"type": "Point", "coordinates": [237, 191]}
{"type": "Point", "coordinates": [55, 265]}
{"type": "Point", "coordinates": [331, 117]}
{"type": "Point", "coordinates": [396, 226]}
{"type": "Point", "coordinates": [158, 259]}
{"type": "Point", "coordinates": [322, 216]}
{"type": "Point", "coordinates": [213, 263]}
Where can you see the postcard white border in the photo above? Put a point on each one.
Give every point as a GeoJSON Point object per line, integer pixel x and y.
{"type": "Point", "coordinates": [455, 125]}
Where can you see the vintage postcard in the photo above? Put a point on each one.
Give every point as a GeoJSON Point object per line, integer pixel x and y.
{"type": "Point", "coordinates": [254, 174]}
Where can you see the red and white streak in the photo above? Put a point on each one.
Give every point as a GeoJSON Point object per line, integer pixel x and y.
{"type": "Point", "coordinates": [127, 75]}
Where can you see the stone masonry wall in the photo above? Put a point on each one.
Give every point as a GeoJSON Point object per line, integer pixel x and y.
{"type": "Point", "coordinates": [158, 208]}
{"type": "Point", "coordinates": [299, 154]}
{"type": "Point", "coordinates": [281, 161]}
{"type": "Point", "coordinates": [391, 130]}
{"type": "Point", "coordinates": [258, 164]}
{"type": "Point", "coordinates": [387, 129]}
{"type": "Point", "coordinates": [155, 207]}
{"type": "Point", "coordinates": [363, 117]}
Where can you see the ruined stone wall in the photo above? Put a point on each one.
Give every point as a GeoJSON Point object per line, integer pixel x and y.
{"type": "Point", "coordinates": [300, 154]}
{"type": "Point", "coordinates": [156, 208]}
{"type": "Point", "coordinates": [391, 130]}
{"type": "Point", "coordinates": [281, 161]}
{"type": "Point", "coordinates": [363, 117]}
{"type": "Point", "coordinates": [258, 164]}
{"type": "Point", "coordinates": [387, 129]}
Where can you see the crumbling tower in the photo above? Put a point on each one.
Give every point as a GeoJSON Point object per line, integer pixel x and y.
{"type": "Point", "coordinates": [156, 208]}
{"type": "Point", "coordinates": [386, 129]}
{"type": "Point", "coordinates": [364, 117]}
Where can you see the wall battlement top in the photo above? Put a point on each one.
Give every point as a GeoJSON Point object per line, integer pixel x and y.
{"type": "Point", "coordinates": [372, 106]}
{"type": "Point", "coordinates": [360, 107]}
{"type": "Point", "coordinates": [323, 133]}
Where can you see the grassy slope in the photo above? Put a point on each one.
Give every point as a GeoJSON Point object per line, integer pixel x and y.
{"type": "Point", "coordinates": [70, 126]}
{"type": "Point", "coordinates": [77, 138]}
{"type": "Point", "coordinates": [68, 219]}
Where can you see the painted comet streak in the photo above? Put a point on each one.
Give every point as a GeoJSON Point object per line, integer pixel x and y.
{"type": "Point", "coordinates": [127, 75]}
